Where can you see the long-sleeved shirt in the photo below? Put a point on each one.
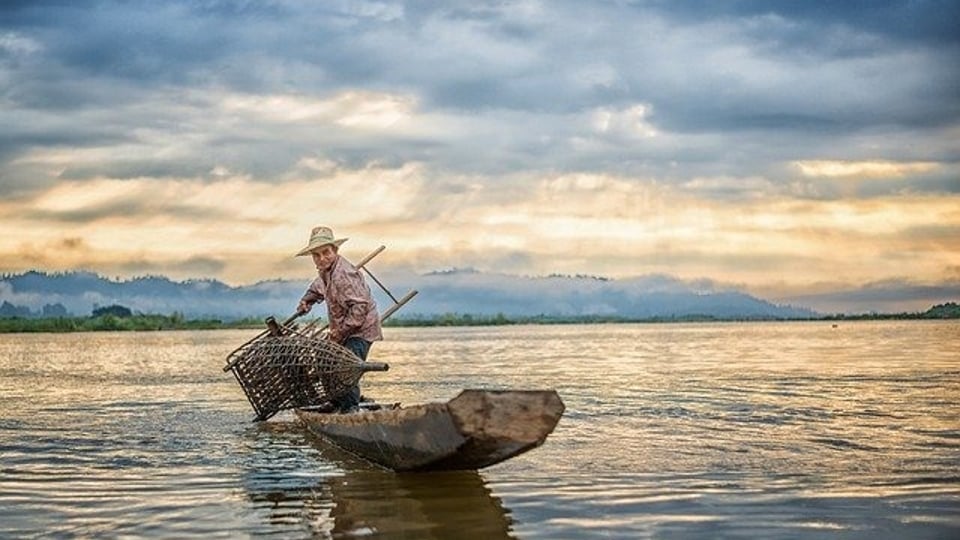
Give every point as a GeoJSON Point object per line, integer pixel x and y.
{"type": "Point", "coordinates": [351, 309]}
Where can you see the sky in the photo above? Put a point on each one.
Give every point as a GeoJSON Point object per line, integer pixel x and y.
{"type": "Point", "coordinates": [798, 151]}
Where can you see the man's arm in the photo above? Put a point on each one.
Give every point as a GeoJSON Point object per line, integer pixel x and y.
{"type": "Point", "coordinates": [313, 295]}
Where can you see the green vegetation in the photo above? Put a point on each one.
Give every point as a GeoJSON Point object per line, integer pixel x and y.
{"type": "Point", "coordinates": [452, 319]}
{"type": "Point", "coordinates": [115, 310]}
{"type": "Point", "coordinates": [114, 319]}
{"type": "Point", "coordinates": [950, 310]}
{"type": "Point", "coordinates": [110, 322]}
{"type": "Point", "coordinates": [466, 319]}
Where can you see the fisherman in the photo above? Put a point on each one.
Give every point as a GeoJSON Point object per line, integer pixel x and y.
{"type": "Point", "coordinates": [351, 310]}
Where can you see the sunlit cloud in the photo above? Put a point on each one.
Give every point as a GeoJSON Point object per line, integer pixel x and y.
{"type": "Point", "coordinates": [357, 109]}
{"type": "Point", "coordinates": [632, 121]}
{"type": "Point", "coordinates": [862, 169]}
{"type": "Point", "coordinates": [240, 230]}
{"type": "Point", "coordinates": [585, 223]}
{"type": "Point", "coordinates": [231, 217]}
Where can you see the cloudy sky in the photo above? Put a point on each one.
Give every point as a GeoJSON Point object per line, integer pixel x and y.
{"type": "Point", "coordinates": [787, 149]}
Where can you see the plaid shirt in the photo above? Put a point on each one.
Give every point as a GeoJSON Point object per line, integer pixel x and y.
{"type": "Point", "coordinates": [351, 309]}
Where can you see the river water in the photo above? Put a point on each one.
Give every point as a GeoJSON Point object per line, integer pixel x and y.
{"type": "Point", "coordinates": [727, 430]}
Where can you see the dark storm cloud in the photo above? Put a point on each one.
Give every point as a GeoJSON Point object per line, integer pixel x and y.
{"type": "Point", "coordinates": [733, 87]}
{"type": "Point", "coordinates": [931, 22]}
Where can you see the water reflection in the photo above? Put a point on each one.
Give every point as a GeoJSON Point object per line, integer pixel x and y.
{"type": "Point", "coordinates": [427, 505]}
{"type": "Point", "coordinates": [300, 484]}
{"type": "Point", "coordinates": [765, 430]}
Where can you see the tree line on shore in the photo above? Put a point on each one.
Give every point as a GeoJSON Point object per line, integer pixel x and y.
{"type": "Point", "coordinates": [120, 318]}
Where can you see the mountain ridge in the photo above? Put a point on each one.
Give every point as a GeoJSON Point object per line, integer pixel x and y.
{"type": "Point", "coordinates": [456, 291]}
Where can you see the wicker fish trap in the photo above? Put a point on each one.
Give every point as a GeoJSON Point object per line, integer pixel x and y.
{"type": "Point", "coordinates": [287, 370]}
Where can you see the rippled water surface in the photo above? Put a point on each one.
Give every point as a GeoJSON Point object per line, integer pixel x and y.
{"type": "Point", "coordinates": [738, 430]}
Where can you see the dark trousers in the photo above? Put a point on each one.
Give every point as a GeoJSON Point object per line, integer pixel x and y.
{"type": "Point", "coordinates": [359, 347]}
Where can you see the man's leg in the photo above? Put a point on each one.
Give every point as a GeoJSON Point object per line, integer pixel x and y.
{"type": "Point", "coordinates": [351, 399]}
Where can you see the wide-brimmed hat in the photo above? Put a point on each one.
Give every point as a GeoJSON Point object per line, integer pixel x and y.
{"type": "Point", "coordinates": [319, 237]}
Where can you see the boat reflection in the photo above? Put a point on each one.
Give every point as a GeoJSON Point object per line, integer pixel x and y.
{"type": "Point", "coordinates": [304, 486]}
{"type": "Point", "coordinates": [417, 505]}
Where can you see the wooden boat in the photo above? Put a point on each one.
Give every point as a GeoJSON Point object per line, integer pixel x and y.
{"type": "Point", "coordinates": [476, 429]}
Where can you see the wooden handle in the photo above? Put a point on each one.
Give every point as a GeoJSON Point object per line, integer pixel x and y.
{"type": "Point", "coordinates": [374, 366]}
{"type": "Point", "coordinates": [370, 257]}
{"type": "Point", "coordinates": [398, 305]}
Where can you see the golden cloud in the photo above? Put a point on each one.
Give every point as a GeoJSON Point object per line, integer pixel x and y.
{"type": "Point", "coordinates": [572, 223]}
{"type": "Point", "coordinates": [357, 109]}
{"type": "Point", "coordinates": [862, 169]}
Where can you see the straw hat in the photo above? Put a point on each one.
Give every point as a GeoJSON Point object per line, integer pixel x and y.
{"type": "Point", "coordinates": [319, 237]}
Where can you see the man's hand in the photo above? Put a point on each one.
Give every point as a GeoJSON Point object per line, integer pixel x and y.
{"type": "Point", "coordinates": [303, 307]}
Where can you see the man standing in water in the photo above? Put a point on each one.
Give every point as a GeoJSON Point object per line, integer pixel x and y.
{"type": "Point", "coordinates": [351, 310]}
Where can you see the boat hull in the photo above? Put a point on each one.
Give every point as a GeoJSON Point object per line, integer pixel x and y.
{"type": "Point", "coordinates": [476, 429]}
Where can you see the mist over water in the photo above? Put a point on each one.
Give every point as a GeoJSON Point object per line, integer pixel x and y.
{"type": "Point", "coordinates": [773, 430]}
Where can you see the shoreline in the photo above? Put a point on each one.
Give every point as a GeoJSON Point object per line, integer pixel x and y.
{"type": "Point", "coordinates": [140, 322]}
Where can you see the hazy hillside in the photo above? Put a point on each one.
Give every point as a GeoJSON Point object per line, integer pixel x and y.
{"type": "Point", "coordinates": [456, 291]}
{"type": "Point", "coordinates": [650, 296]}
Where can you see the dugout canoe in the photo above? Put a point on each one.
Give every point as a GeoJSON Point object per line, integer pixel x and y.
{"type": "Point", "coordinates": [476, 429]}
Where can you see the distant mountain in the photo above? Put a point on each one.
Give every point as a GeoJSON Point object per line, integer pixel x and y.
{"type": "Point", "coordinates": [81, 292]}
{"type": "Point", "coordinates": [451, 291]}
{"type": "Point", "coordinates": [648, 296]}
